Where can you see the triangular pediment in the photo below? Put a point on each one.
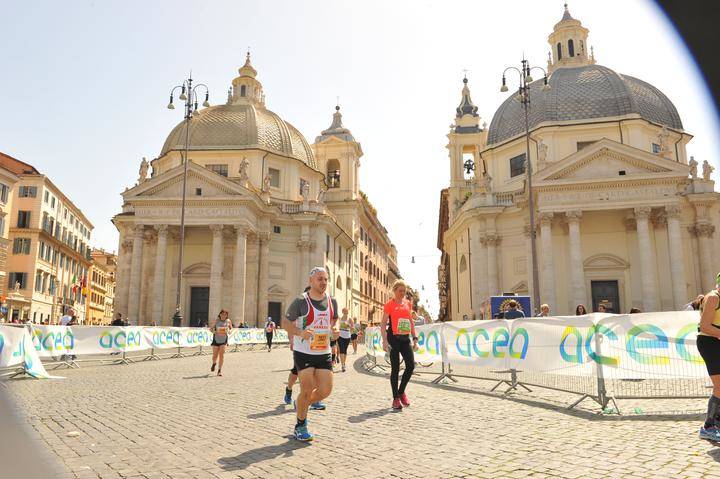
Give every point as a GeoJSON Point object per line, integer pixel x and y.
{"type": "Point", "coordinates": [278, 290]}
{"type": "Point", "coordinates": [609, 160]}
{"type": "Point", "coordinates": [169, 185]}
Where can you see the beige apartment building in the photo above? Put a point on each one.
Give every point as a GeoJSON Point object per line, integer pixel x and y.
{"type": "Point", "coordinates": [8, 179]}
{"type": "Point", "coordinates": [623, 216]}
{"type": "Point", "coordinates": [378, 266]}
{"type": "Point", "coordinates": [48, 256]}
{"type": "Point", "coordinates": [101, 287]}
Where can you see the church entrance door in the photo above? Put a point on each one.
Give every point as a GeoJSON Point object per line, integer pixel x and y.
{"type": "Point", "coordinates": [199, 306]}
{"type": "Point", "coordinates": [606, 293]}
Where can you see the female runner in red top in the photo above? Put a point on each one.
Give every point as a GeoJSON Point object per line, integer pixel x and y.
{"type": "Point", "coordinates": [397, 329]}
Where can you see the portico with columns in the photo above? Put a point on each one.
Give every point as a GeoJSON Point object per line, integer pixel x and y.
{"type": "Point", "coordinates": [623, 217]}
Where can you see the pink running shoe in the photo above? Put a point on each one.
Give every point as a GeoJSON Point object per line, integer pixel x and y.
{"type": "Point", "coordinates": [396, 404]}
{"type": "Point", "coordinates": [404, 400]}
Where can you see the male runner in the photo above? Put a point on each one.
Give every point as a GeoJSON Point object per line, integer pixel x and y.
{"type": "Point", "coordinates": [309, 321]}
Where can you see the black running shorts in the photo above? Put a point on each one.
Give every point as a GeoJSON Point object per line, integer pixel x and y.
{"type": "Point", "coordinates": [709, 348]}
{"type": "Point", "coordinates": [317, 361]}
{"type": "Point", "coordinates": [343, 343]}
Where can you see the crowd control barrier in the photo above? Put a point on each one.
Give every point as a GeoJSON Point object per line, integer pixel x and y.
{"type": "Point", "coordinates": [23, 350]}
{"type": "Point", "coordinates": [602, 357]}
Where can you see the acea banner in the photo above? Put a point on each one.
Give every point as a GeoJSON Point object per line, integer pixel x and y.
{"type": "Point", "coordinates": [430, 344]}
{"type": "Point", "coordinates": [16, 349]}
{"type": "Point", "coordinates": [55, 341]}
{"type": "Point", "coordinates": [638, 346]}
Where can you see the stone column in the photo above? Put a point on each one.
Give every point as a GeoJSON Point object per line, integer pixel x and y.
{"type": "Point", "coordinates": [264, 253]}
{"type": "Point", "coordinates": [704, 232]}
{"type": "Point", "coordinates": [677, 259]}
{"type": "Point", "coordinates": [159, 284]}
{"type": "Point", "coordinates": [303, 247]}
{"type": "Point", "coordinates": [216, 267]}
{"type": "Point", "coordinates": [475, 269]}
{"type": "Point", "coordinates": [135, 279]}
{"type": "Point", "coordinates": [647, 260]}
{"type": "Point", "coordinates": [547, 284]}
{"type": "Point", "coordinates": [492, 240]}
{"type": "Point", "coordinates": [238, 287]}
{"type": "Point", "coordinates": [577, 271]}
{"type": "Point", "coordinates": [484, 294]}
{"type": "Point", "coordinates": [120, 301]}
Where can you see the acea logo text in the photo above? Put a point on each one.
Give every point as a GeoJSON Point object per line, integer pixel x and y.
{"type": "Point", "coordinates": [502, 343]}
{"type": "Point", "coordinates": [201, 337]}
{"type": "Point", "coordinates": [121, 339]}
{"type": "Point", "coordinates": [166, 336]}
{"type": "Point", "coordinates": [429, 342]}
{"type": "Point", "coordinates": [644, 343]}
{"type": "Point", "coordinates": [49, 340]}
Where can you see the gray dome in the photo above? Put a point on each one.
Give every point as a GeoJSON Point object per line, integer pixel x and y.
{"type": "Point", "coordinates": [586, 92]}
{"type": "Point", "coordinates": [241, 127]}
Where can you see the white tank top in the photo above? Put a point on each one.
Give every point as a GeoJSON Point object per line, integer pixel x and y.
{"type": "Point", "coordinates": [319, 322]}
{"type": "Point", "coordinates": [345, 328]}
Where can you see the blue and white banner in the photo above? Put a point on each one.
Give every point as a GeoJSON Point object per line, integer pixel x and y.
{"type": "Point", "coordinates": [17, 349]}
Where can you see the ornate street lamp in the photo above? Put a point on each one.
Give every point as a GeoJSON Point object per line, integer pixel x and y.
{"type": "Point", "coordinates": [189, 94]}
{"type": "Point", "coordinates": [523, 96]}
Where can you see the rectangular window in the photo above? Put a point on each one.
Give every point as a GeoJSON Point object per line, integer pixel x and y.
{"type": "Point", "coordinates": [23, 219]}
{"type": "Point", "coordinates": [583, 144]}
{"type": "Point", "coordinates": [38, 282]}
{"type": "Point", "coordinates": [277, 229]}
{"type": "Point", "coordinates": [517, 165]}
{"type": "Point", "coordinates": [4, 191]}
{"type": "Point", "coordinates": [41, 250]}
{"type": "Point", "coordinates": [21, 246]}
{"type": "Point", "coordinates": [198, 191]}
{"type": "Point", "coordinates": [14, 278]}
{"type": "Point", "coordinates": [52, 202]}
{"type": "Point", "coordinates": [47, 196]}
{"type": "Point", "coordinates": [27, 192]}
{"type": "Point", "coordinates": [2, 226]}
{"type": "Point", "coordinates": [221, 170]}
{"type": "Point", "coordinates": [274, 177]}
{"type": "Point", "coordinates": [655, 148]}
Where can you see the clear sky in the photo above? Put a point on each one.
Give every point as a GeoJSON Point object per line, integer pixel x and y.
{"type": "Point", "coordinates": [85, 85]}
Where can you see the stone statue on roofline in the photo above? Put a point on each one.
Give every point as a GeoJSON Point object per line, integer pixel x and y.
{"type": "Point", "coordinates": [144, 167]}
{"type": "Point", "coordinates": [243, 170]}
{"type": "Point", "coordinates": [693, 168]}
{"type": "Point", "coordinates": [707, 170]}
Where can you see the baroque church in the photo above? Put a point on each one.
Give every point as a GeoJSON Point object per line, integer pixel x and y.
{"type": "Point", "coordinates": [263, 207]}
{"type": "Point", "coordinates": [623, 217]}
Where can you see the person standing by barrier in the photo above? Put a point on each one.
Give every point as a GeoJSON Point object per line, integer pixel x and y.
{"type": "Point", "coordinates": [221, 328]}
{"type": "Point", "coordinates": [708, 344]}
{"type": "Point", "coordinates": [396, 328]}
{"type": "Point", "coordinates": [309, 321]}
{"type": "Point", "coordinates": [580, 310]}
{"type": "Point", "coordinates": [346, 326]}
{"type": "Point", "coordinates": [354, 335]}
{"type": "Point", "coordinates": [513, 312]}
{"type": "Point", "coordinates": [269, 332]}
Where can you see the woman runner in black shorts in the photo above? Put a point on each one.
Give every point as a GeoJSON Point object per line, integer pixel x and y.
{"type": "Point", "coordinates": [220, 329]}
{"type": "Point", "coordinates": [708, 344]}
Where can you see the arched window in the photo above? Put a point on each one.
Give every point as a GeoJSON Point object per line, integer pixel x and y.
{"type": "Point", "coordinates": [333, 173]}
{"type": "Point", "coordinates": [243, 89]}
{"type": "Point", "coordinates": [559, 51]}
{"type": "Point", "coordinates": [463, 264]}
{"type": "Point", "coordinates": [571, 48]}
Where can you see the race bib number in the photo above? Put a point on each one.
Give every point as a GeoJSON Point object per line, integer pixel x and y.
{"type": "Point", "coordinates": [320, 340]}
{"type": "Point", "coordinates": [403, 326]}
{"type": "Point", "coordinates": [221, 331]}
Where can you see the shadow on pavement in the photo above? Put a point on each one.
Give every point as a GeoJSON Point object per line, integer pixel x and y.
{"type": "Point", "coordinates": [715, 453]}
{"type": "Point", "coordinates": [202, 376]}
{"type": "Point", "coordinates": [370, 415]}
{"type": "Point", "coordinates": [253, 456]}
{"type": "Point", "coordinates": [278, 411]}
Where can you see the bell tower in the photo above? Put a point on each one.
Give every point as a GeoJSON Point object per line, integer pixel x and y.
{"type": "Point", "coordinates": [568, 44]}
{"type": "Point", "coordinates": [246, 88]}
{"type": "Point", "coordinates": [338, 158]}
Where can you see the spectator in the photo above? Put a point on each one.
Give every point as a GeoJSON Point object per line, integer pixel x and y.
{"type": "Point", "coordinates": [67, 318]}
{"type": "Point", "coordinates": [512, 311]}
{"type": "Point", "coordinates": [635, 310]}
{"type": "Point", "coordinates": [118, 321]}
{"type": "Point", "coordinates": [602, 308]}
{"type": "Point", "coordinates": [580, 310]}
{"type": "Point", "coordinates": [544, 311]}
{"type": "Point", "coordinates": [694, 305]}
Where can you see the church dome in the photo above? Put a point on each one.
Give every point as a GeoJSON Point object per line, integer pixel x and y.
{"type": "Point", "coordinates": [241, 126]}
{"type": "Point", "coordinates": [583, 93]}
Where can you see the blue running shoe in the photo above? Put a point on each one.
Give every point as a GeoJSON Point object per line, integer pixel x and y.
{"type": "Point", "coordinates": [318, 406]}
{"type": "Point", "coordinates": [302, 434]}
{"type": "Point", "coordinates": [710, 434]}
{"type": "Point", "coordinates": [288, 396]}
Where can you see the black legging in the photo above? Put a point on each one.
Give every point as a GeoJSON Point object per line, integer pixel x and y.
{"type": "Point", "coordinates": [398, 347]}
{"type": "Point", "coordinates": [269, 337]}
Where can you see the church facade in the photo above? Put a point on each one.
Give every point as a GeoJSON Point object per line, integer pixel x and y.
{"type": "Point", "coordinates": [263, 207]}
{"type": "Point", "coordinates": [623, 216]}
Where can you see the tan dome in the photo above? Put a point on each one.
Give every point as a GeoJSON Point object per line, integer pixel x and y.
{"type": "Point", "coordinates": [243, 126]}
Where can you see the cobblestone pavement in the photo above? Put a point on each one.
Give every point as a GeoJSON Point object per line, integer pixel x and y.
{"type": "Point", "coordinates": [169, 419]}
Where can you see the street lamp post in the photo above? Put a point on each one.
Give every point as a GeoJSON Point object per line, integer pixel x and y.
{"type": "Point", "coordinates": [188, 93]}
{"type": "Point", "coordinates": [523, 96]}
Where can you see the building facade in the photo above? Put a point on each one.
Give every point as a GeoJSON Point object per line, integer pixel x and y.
{"type": "Point", "coordinates": [101, 287]}
{"type": "Point", "coordinates": [624, 219]}
{"type": "Point", "coordinates": [8, 180]}
{"type": "Point", "coordinates": [263, 207]}
{"type": "Point", "coordinates": [49, 253]}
